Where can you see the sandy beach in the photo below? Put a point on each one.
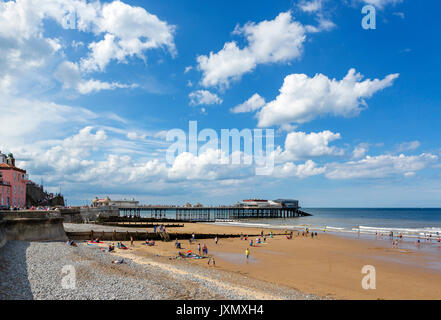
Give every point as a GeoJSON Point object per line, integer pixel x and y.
{"type": "Point", "coordinates": [327, 265]}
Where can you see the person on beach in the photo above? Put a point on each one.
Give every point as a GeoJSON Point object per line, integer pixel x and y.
{"type": "Point", "coordinates": [247, 253]}
{"type": "Point", "coordinates": [251, 243]}
{"type": "Point", "coordinates": [120, 261]}
{"type": "Point", "coordinates": [193, 237]}
{"type": "Point", "coordinates": [131, 241]}
{"type": "Point", "coordinates": [216, 239]}
{"type": "Point", "coordinates": [261, 233]}
{"type": "Point", "coordinates": [199, 248]}
{"type": "Point", "coordinates": [154, 229]}
{"type": "Point", "coordinates": [214, 262]}
{"type": "Point", "coordinates": [71, 243]}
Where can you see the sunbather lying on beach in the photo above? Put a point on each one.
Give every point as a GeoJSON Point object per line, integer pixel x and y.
{"type": "Point", "coordinates": [120, 261]}
{"type": "Point", "coordinates": [150, 243]}
{"type": "Point", "coordinates": [121, 245]}
{"type": "Point", "coordinates": [71, 243]}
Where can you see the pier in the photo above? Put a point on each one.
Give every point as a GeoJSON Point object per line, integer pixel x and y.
{"type": "Point", "coordinates": [211, 213]}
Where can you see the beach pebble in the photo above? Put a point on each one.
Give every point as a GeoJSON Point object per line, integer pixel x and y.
{"type": "Point", "coordinates": [35, 271]}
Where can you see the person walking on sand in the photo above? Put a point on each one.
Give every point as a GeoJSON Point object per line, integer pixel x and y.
{"type": "Point", "coordinates": [199, 248]}
{"type": "Point", "coordinates": [247, 253]}
{"type": "Point", "coordinates": [131, 241]}
{"type": "Point", "coordinates": [216, 239]}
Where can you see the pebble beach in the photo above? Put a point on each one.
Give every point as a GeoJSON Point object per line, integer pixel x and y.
{"type": "Point", "coordinates": [34, 271]}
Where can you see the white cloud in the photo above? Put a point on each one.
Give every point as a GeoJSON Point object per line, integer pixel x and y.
{"type": "Point", "coordinates": [97, 85]}
{"type": "Point", "coordinates": [310, 5]}
{"type": "Point", "coordinates": [406, 146]}
{"type": "Point", "coordinates": [301, 145]}
{"type": "Point", "coordinates": [128, 31]}
{"type": "Point", "coordinates": [324, 24]}
{"type": "Point", "coordinates": [25, 120]}
{"type": "Point", "coordinates": [132, 135]}
{"type": "Point", "coordinates": [301, 171]}
{"type": "Point", "coordinates": [381, 166]}
{"type": "Point", "coordinates": [203, 97]}
{"type": "Point", "coordinates": [360, 151]}
{"type": "Point", "coordinates": [303, 99]}
{"type": "Point", "coordinates": [69, 74]}
{"type": "Point", "coordinates": [252, 104]}
{"type": "Point", "coordinates": [380, 4]}
{"type": "Point", "coordinates": [274, 41]}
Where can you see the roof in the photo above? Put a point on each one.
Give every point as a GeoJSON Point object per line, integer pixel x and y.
{"type": "Point", "coordinates": [5, 166]}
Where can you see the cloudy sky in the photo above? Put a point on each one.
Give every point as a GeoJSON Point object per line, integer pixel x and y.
{"type": "Point", "coordinates": [89, 90]}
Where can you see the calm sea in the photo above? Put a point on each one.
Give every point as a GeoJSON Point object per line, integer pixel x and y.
{"type": "Point", "coordinates": [410, 222]}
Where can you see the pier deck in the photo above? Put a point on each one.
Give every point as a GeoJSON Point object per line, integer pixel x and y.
{"type": "Point", "coordinates": [211, 213]}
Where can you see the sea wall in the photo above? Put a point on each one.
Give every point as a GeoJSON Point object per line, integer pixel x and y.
{"type": "Point", "coordinates": [72, 215]}
{"type": "Point", "coordinates": [2, 233]}
{"type": "Point", "coordinates": [31, 226]}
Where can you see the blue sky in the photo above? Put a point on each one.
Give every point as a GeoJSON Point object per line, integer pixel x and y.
{"type": "Point", "coordinates": [355, 112]}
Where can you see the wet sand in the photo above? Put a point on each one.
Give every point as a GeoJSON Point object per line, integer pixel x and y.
{"type": "Point", "coordinates": [328, 265]}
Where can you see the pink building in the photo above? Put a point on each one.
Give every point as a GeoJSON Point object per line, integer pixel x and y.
{"type": "Point", "coordinates": [12, 183]}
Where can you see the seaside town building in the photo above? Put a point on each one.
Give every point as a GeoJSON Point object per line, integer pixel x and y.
{"type": "Point", "coordinates": [260, 203]}
{"type": "Point", "coordinates": [17, 191]}
{"type": "Point", "coordinates": [12, 183]}
{"type": "Point", "coordinates": [105, 202]}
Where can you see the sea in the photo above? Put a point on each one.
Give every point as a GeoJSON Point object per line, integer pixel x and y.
{"type": "Point", "coordinates": [410, 222]}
